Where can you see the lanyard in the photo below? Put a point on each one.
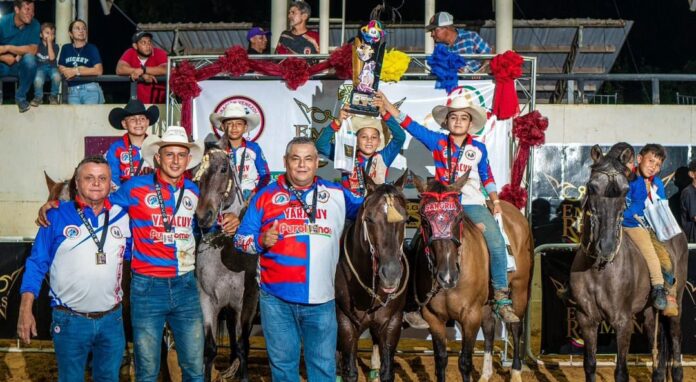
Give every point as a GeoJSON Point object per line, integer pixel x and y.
{"type": "Point", "coordinates": [131, 156]}
{"type": "Point", "coordinates": [361, 179]}
{"type": "Point", "coordinates": [165, 221]}
{"type": "Point", "coordinates": [311, 211]}
{"type": "Point", "coordinates": [451, 169]}
{"type": "Point", "coordinates": [99, 243]}
{"type": "Point", "coordinates": [233, 156]}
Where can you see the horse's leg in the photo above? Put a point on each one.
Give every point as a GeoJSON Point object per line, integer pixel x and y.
{"type": "Point", "coordinates": [249, 305]}
{"type": "Point", "coordinates": [347, 346]}
{"type": "Point", "coordinates": [659, 371]}
{"type": "Point", "coordinates": [675, 337]}
{"type": "Point", "coordinates": [520, 300]}
{"type": "Point", "coordinates": [624, 328]}
{"type": "Point", "coordinates": [232, 324]}
{"type": "Point", "coordinates": [439, 335]}
{"type": "Point", "coordinates": [488, 326]}
{"type": "Point", "coordinates": [588, 328]}
{"type": "Point", "coordinates": [210, 313]}
{"type": "Point", "coordinates": [388, 340]}
{"type": "Point", "coordinates": [470, 324]}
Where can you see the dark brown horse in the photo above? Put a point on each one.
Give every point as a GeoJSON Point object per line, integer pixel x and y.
{"type": "Point", "coordinates": [522, 249]}
{"type": "Point", "coordinates": [451, 271]}
{"type": "Point", "coordinates": [609, 279]}
{"type": "Point", "coordinates": [226, 277]}
{"type": "Point", "coordinates": [371, 278]}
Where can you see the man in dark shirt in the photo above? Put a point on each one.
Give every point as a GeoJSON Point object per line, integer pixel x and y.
{"type": "Point", "coordinates": [298, 39]}
{"type": "Point", "coordinates": [688, 205]}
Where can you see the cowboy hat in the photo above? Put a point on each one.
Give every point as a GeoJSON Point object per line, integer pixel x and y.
{"type": "Point", "coordinates": [461, 102]}
{"type": "Point", "coordinates": [173, 136]}
{"type": "Point", "coordinates": [358, 123]}
{"type": "Point", "coordinates": [133, 107]}
{"type": "Point", "coordinates": [236, 111]}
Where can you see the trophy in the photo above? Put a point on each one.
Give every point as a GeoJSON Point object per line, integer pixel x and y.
{"type": "Point", "coordinates": [368, 51]}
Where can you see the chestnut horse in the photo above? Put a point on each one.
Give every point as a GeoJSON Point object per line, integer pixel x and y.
{"type": "Point", "coordinates": [609, 278]}
{"type": "Point", "coordinates": [371, 278]}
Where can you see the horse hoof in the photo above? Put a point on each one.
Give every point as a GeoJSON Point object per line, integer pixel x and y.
{"type": "Point", "coordinates": [516, 376]}
{"type": "Point", "coordinates": [230, 372]}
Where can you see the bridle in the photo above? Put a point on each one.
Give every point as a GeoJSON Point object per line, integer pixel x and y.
{"type": "Point", "coordinates": [588, 240]}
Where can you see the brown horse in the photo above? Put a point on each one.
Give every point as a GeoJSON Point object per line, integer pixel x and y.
{"type": "Point", "coordinates": [371, 278]}
{"type": "Point", "coordinates": [456, 285]}
{"type": "Point", "coordinates": [522, 249]}
{"type": "Point", "coordinates": [609, 279]}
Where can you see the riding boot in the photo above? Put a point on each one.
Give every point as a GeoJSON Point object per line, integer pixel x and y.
{"type": "Point", "coordinates": [502, 306]}
{"type": "Point", "coordinates": [672, 309]}
{"type": "Point", "coordinates": [659, 297]}
{"type": "Point", "coordinates": [415, 320]}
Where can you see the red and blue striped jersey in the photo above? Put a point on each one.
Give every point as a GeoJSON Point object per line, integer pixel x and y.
{"type": "Point", "coordinates": [119, 159]}
{"type": "Point", "coordinates": [301, 266]}
{"type": "Point", "coordinates": [472, 156]}
{"type": "Point", "coordinates": [153, 254]}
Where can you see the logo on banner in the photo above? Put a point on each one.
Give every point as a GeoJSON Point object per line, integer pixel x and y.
{"type": "Point", "coordinates": [247, 102]}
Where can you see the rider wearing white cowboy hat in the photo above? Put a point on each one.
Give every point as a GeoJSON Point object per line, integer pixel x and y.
{"type": "Point", "coordinates": [123, 155]}
{"type": "Point", "coordinates": [455, 154]}
{"type": "Point", "coordinates": [173, 136]}
{"type": "Point", "coordinates": [373, 157]}
{"type": "Point", "coordinates": [246, 156]}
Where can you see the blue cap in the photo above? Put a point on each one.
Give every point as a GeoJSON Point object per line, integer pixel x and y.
{"type": "Point", "coordinates": [257, 31]}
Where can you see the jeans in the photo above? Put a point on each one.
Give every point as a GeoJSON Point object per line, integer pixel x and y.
{"type": "Point", "coordinates": [46, 72]}
{"type": "Point", "coordinates": [74, 337]}
{"type": "Point", "coordinates": [494, 241]}
{"type": "Point", "coordinates": [286, 325]}
{"type": "Point", "coordinates": [85, 94]}
{"type": "Point", "coordinates": [25, 69]}
{"type": "Point", "coordinates": [175, 301]}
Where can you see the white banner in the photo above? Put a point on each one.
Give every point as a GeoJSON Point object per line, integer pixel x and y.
{"type": "Point", "coordinates": [287, 113]}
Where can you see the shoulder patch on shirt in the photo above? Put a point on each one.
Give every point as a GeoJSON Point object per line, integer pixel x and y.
{"type": "Point", "coordinates": [188, 203]}
{"type": "Point", "coordinates": [470, 154]}
{"type": "Point", "coordinates": [280, 199]}
{"type": "Point", "coordinates": [71, 232]}
{"type": "Point", "coordinates": [151, 200]}
{"type": "Point", "coordinates": [323, 196]}
{"type": "Point", "coordinates": [125, 157]}
{"type": "Point", "coordinates": [116, 232]}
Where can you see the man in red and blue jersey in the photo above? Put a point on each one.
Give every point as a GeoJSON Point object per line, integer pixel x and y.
{"type": "Point", "coordinates": [294, 225]}
{"type": "Point", "coordinates": [124, 155]}
{"type": "Point", "coordinates": [456, 154]}
{"type": "Point", "coordinates": [83, 249]}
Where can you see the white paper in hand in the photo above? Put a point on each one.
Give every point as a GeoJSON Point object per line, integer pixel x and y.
{"type": "Point", "coordinates": [344, 154]}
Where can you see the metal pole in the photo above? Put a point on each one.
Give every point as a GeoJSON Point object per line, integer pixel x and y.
{"type": "Point", "coordinates": [63, 17]}
{"type": "Point", "coordinates": [429, 12]}
{"type": "Point", "coordinates": [324, 14]}
{"type": "Point", "coordinates": [83, 10]}
{"type": "Point", "coordinates": [343, 22]}
{"type": "Point", "coordinates": [279, 20]}
{"type": "Point", "coordinates": [503, 26]}
{"type": "Point", "coordinates": [655, 91]}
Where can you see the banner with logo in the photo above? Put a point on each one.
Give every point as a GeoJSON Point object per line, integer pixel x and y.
{"type": "Point", "coordinates": [285, 114]}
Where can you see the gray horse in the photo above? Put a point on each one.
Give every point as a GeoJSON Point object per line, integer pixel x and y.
{"type": "Point", "coordinates": [226, 277]}
{"type": "Point", "coordinates": [609, 279]}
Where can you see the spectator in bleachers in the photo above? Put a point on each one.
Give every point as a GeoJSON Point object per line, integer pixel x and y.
{"type": "Point", "coordinates": [47, 67]}
{"type": "Point", "coordinates": [19, 41]}
{"type": "Point", "coordinates": [462, 41]}
{"type": "Point", "coordinates": [80, 58]}
{"type": "Point", "coordinates": [145, 62]}
{"type": "Point", "coordinates": [298, 39]}
{"type": "Point", "coordinates": [258, 41]}
{"type": "Point", "coordinates": [688, 205]}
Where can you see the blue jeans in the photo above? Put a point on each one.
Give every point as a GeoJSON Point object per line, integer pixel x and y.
{"type": "Point", "coordinates": [288, 325]}
{"type": "Point", "coordinates": [494, 240]}
{"type": "Point", "coordinates": [46, 72]}
{"type": "Point", "coordinates": [89, 93]}
{"type": "Point", "coordinates": [74, 337]}
{"type": "Point", "coordinates": [175, 301]}
{"type": "Point", "coordinates": [25, 69]}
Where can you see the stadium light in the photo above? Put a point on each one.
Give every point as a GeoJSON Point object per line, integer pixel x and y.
{"type": "Point", "coordinates": [692, 5]}
{"type": "Point", "coordinates": [106, 6]}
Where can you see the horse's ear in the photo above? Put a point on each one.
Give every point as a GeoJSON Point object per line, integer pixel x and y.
{"type": "Point", "coordinates": [421, 186]}
{"type": "Point", "coordinates": [596, 153]}
{"type": "Point", "coordinates": [401, 182]}
{"type": "Point", "coordinates": [460, 182]}
{"type": "Point", "coordinates": [49, 182]}
{"type": "Point", "coordinates": [370, 184]}
{"type": "Point", "coordinates": [626, 156]}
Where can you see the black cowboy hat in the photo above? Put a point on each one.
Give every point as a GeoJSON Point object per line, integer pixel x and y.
{"type": "Point", "coordinates": [133, 107]}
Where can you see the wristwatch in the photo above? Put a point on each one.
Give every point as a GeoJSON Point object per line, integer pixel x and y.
{"type": "Point", "coordinates": [144, 68]}
{"type": "Point", "coordinates": [77, 69]}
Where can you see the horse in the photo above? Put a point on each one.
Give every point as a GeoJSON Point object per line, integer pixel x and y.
{"type": "Point", "coordinates": [371, 278]}
{"type": "Point", "coordinates": [609, 279]}
{"type": "Point", "coordinates": [456, 285]}
{"type": "Point", "coordinates": [226, 277]}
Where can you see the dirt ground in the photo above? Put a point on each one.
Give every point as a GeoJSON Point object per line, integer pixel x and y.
{"type": "Point", "coordinates": [35, 367]}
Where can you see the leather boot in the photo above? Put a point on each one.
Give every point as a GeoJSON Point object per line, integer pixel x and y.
{"type": "Point", "coordinates": [659, 297]}
{"type": "Point", "coordinates": [502, 306]}
{"type": "Point", "coordinates": [672, 309]}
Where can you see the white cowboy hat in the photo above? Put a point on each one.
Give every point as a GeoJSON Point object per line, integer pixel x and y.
{"type": "Point", "coordinates": [358, 123]}
{"type": "Point", "coordinates": [173, 136]}
{"type": "Point", "coordinates": [236, 111]}
{"type": "Point", "coordinates": [462, 102]}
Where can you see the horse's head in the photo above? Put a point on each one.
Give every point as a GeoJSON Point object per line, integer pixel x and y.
{"type": "Point", "coordinates": [606, 200]}
{"type": "Point", "coordinates": [60, 190]}
{"type": "Point", "coordinates": [219, 188]}
{"type": "Point", "coordinates": [383, 217]}
{"type": "Point", "coordinates": [442, 219]}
